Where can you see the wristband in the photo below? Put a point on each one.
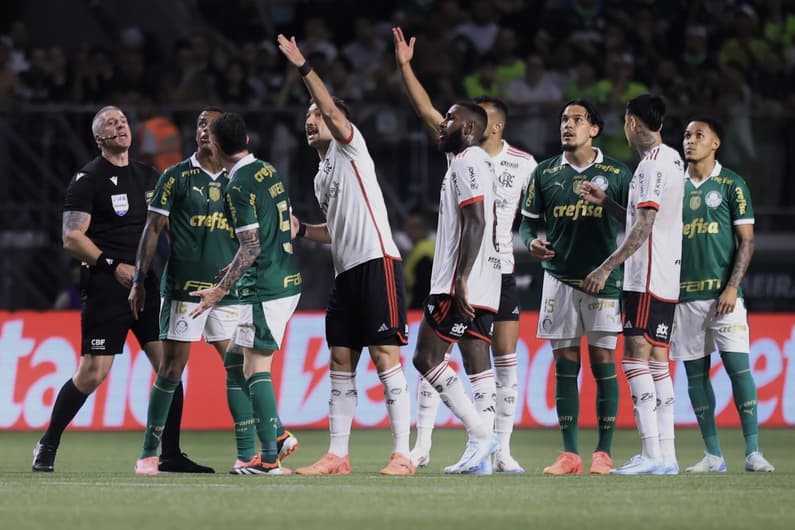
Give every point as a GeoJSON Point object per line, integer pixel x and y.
{"type": "Point", "coordinates": [139, 276]}
{"type": "Point", "coordinates": [105, 263]}
{"type": "Point", "coordinates": [301, 230]}
{"type": "Point", "coordinates": [304, 69]}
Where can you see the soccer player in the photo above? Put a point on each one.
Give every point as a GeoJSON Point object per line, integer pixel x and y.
{"type": "Point", "coordinates": [579, 236]}
{"type": "Point", "coordinates": [270, 284]}
{"type": "Point", "coordinates": [104, 215]}
{"type": "Point", "coordinates": [188, 202]}
{"type": "Point", "coordinates": [514, 167]}
{"type": "Point", "coordinates": [717, 245]}
{"type": "Point", "coordinates": [652, 250]}
{"type": "Point", "coordinates": [367, 303]}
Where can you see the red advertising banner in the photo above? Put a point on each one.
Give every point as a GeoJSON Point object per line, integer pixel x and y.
{"type": "Point", "coordinates": [40, 351]}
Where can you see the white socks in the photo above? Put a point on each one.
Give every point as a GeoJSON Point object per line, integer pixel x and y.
{"type": "Point", "coordinates": [449, 386]}
{"type": "Point", "coordinates": [507, 383]}
{"type": "Point", "coordinates": [342, 408]}
{"type": "Point", "coordinates": [427, 408]}
{"type": "Point", "coordinates": [484, 396]}
{"type": "Point", "coordinates": [396, 397]}
{"type": "Point", "coordinates": [644, 400]}
{"type": "Point", "coordinates": [664, 388]}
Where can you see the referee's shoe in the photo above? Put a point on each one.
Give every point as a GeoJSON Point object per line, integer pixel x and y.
{"type": "Point", "coordinates": [180, 463]}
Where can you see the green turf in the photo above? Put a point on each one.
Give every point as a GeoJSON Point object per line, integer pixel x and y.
{"type": "Point", "coordinates": [94, 488]}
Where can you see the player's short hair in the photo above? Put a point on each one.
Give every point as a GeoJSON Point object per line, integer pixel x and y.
{"type": "Point", "coordinates": [97, 123]}
{"type": "Point", "coordinates": [230, 133]}
{"type": "Point", "coordinates": [711, 122]}
{"type": "Point", "coordinates": [485, 99]}
{"type": "Point", "coordinates": [212, 108]}
{"type": "Point", "coordinates": [476, 112]}
{"type": "Point", "coordinates": [340, 104]}
{"type": "Point", "coordinates": [591, 112]}
{"type": "Point", "coordinates": [648, 108]}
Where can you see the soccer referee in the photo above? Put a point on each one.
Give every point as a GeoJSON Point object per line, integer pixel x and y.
{"type": "Point", "coordinates": [104, 214]}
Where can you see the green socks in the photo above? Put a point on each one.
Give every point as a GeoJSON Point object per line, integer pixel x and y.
{"type": "Point", "coordinates": [606, 403]}
{"type": "Point", "coordinates": [263, 401]}
{"type": "Point", "coordinates": [745, 397]}
{"type": "Point", "coordinates": [702, 398]}
{"type": "Point", "coordinates": [567, 402]}
{"type": "Point", "coordinates": [159, 405]}
{"type": "Point", "coordinates": [239, 402]}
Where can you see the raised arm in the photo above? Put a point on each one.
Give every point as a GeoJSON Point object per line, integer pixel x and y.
{"type": "Point", "coordinates": [335, 119]}
{"type": "Point", "coordinates": [404, 52]}
{"type": "Point", "coordinates": [639, 233]}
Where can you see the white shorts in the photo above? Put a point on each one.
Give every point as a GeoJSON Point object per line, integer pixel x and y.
{"type": "Point", "coordinates": [262, 324]}
{"type": "Point", "coordinates": [697, 330]}
{"type": "Point", "coordinates": [567, 314]}
{"type": "Point", "coordinates": [214, 325]}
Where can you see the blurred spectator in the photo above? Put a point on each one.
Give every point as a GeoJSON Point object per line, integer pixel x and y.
{"type": "Point", "coordinates": [779, 27]}
{"type": "Point", "coordinates": [233, 87]}
{"type": "Point", "coordinates": [60, 75]}
{"type": "Point", "coordinates": [509, 65]}
{"type": "Point", "coordinates": [770, 84]}
{"type": "Point", "coordinates": [695, 55]}
{"type": "Point", "coordinates": [584, 81]}
{"type": "Point", "coordinates": [35, 82]}
{"type": "Point", "coordinates": [318, 38]}
{"type": "Point", "coordinates": [482, 30]}
{"type": "Point", "coordinates": [18, 42]}
{"type": "Point", "coordinates": [9, 80]}
{"type": "Point", "coordinates": [669, 85]}
{"type": "Point", "coordinates": [530, 95]}
{"type": "Point", "coordinates": [70, 297]}
{"type": "Point", "coordinates": [192, 83]}
{"type": "Point", "coordinates": [342, 83]}
{"type": "Point", "coordinates": [560, 69]}
{"type": "Point", "coordinates": [419, 261]}
{"type": "Point", "coordinates": [158, 139]}
{"type": "Point", "coordinates": [95, 76]}
{"type": "Point", "coordinates": [744, 48]}
{"type": "Point", "coordinates": [134, 80]}
{"type": "Point", "coordinates": [484, 79]}
{"type": "Point", "coordinates": [736, 102]}
{"type": "Point", "coordinates": [365, 51]}
{"type": "Point", "coordinates": [264, 74]}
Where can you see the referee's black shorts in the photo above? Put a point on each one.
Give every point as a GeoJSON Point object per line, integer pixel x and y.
{"type": "Point", "coordinates": [367, 306]}
{"type": "Point", "coordinates": [106, 318]}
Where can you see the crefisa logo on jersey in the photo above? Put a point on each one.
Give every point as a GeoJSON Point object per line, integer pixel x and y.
{"type": "Point", "coordinates": [713, 199]}
{"type": "Point", "coordinates": [120, 204]}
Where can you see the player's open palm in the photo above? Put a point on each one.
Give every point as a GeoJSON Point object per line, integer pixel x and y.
{"type": "Point", "coordinates": [290, 50]}
{"type": "Point", "coordinates": [404, 51]}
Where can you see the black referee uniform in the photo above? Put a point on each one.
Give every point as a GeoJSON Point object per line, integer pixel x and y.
{"type": "Point", "coordinates": [117, 199]}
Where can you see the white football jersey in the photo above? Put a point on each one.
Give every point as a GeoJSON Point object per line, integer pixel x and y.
{"type": "Point", "coordinates": [469, 179]}
{"type": "Point", "coordinates": [659, 183]}
{"type": "Point", "coordinates": [347, 190]}
{"type": "Point", "coordinates": [512, 168]}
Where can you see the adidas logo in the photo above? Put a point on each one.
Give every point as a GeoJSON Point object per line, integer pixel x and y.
{"type": "Point", "coordinates": [383, 327]}
{"type": "Point", "coordinates": [515, 310]}
{"type": "Point", "coordinates": [628, 324]}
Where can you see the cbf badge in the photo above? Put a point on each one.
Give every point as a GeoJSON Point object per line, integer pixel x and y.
{"type": "Point", "coordinates": [695, 202]}
{"type": "Point", "coordinates": [215, 194]}
{"type": "Point", "coordinates": [120, 204]}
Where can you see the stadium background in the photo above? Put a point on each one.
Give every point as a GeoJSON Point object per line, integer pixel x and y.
{"type": "Point", "coordinates": [167, 59]}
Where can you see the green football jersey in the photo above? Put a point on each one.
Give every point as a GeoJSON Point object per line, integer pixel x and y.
{"type": "Point", "coordinates": [202, 240]}
{"type": "Point", "coordinates": [256, 197]}
{"type": "Point", "coordinates": [581, 234]}
{"type": "Point", "coordinates": [711, 211]}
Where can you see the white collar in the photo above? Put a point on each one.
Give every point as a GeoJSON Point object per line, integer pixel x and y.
{"type": "Point", "coordinates": [600, 157]}
{"type": "Point", "coordinates": [194, 161]}
{"type": "Point", "coordinates": [246, 160]}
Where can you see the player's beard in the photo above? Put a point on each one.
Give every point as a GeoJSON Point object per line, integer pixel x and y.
{"type": "Point", "coordinates": [453, 142]}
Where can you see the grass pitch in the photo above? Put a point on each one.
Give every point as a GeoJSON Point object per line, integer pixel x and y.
{"type": "Point", "coordinates": [94, 488]}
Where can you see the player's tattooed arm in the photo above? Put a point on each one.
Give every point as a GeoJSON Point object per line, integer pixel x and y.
{"type": "Point", "coordinates": [244, 258]}
{"type": "Point", "coordinates": [742, 258]}
{"type": "Point", "coordinates": [639, 233]}
{"type": "Point", "coordinates": [75, 241]}
{"type": "Point", "coordinates": [147, 245]}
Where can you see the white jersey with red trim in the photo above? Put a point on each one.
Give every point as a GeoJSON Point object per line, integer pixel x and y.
{"type": "Point", "coordinates": [659, 183]}
{"type": "Point", "coordinates": [347, 190]}
{"type": "Point", "coordinates": [512, 168]}
{"type": "Point", "coordinates": [469, 179]}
